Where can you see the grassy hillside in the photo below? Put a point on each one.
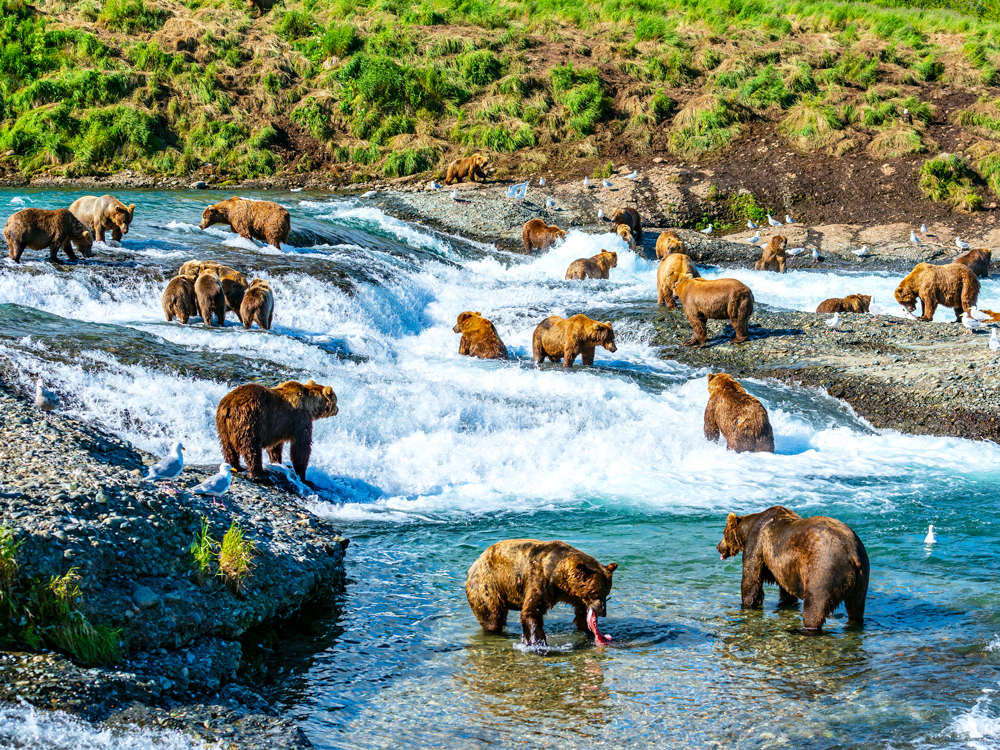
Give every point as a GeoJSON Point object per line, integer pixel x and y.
{"type": "Point", "coordinates": [359, 89]}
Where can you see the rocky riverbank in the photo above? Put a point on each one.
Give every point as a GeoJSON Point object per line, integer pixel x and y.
{"type": "Point", "coordinates": [78, 512]}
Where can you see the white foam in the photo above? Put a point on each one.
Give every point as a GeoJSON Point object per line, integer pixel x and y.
{"type": "Point", "coordinates": [979, 723]}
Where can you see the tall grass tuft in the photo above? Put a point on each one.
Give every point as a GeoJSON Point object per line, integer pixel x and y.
{"type": "Point", "coordinates": [947, 178]}
{"type": "Point", "coordinates": [235, 558]}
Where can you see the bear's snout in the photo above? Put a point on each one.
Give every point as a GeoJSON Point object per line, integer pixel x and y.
{"type": "Point", "coordinates": [723, 550]}
{"type": "Point", "coordinates": [457, 328]}
{"type": "Point", "coordinates": [611, 347]}
{"type": "Point", "coordinates": [599, 607]}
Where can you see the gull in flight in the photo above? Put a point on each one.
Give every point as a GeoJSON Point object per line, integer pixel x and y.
{"type": "Point", "coordinates": [833, 322]}
{"type": "Point", "coordinates": [216, 485]}
{"type": "Point", "coordinates": [862, 252]}
{"type": "Point", "coordinates": [169, 467]}
{"type": "Point", "coordinates": [750, 225]}
{"type": "Point", "coordinates": [931, 538]}
{"type": "Point", "coordinates": [633, 176]}
{"type": "Point", "coordinates": [706, 230]}
{"type": "Point", "coordinates": [994, 342]}
{"type": "Point", "coordinates": [772, 221]}
{"type": "Point", "coordinates": [518, 191]}
{"type": "Point", "coordinates": [789, 219]}
{"type": "Point", "coordinates": [549, 203]}
{"type": "Point", "coordinates": [755, 239]}
{"type": "Point", "coordinates": [971, 324]}
{"type": "Point", "coordinates": [45, 399]}
{"type": "Point", "coordinates": [913, 238]}
{"type": "Point", "coordinates": [960, 244]}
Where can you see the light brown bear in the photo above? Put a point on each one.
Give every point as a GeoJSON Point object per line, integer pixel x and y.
{"type": "Point", "coordinates": [472, 167]}
{"type": "Point", "coordinates": [626, 234]}
{"type": "Point", "coordinates": [595, 267]}
{"type": "Point", "coordinates": [668, 243]}
{"type": "Point", "coordinates": [211, 300]}
{"type": "Point", "coordinates": [671, 268]}
{"type": "Point", "coordinates": [257, 220]}
{"type": "Point", "coordinates": [773, 258]}
{"type": "Point", "coordinates": [953, 285]}
{"type": "Point", "coordinates": [479, 337]}
{"type": "Point", "coordinates": [257, 304]}
{"type": "Point", "coordinates": [557, 337]}
{"type": "Point", "coordinates": [104, 214]}
{"type": "Point", "coordinates": [252, 418]}
{"type": "Point", "coordinates": [179, 300]}
{"type": "Point", "coordinates": [630, 218]}
{"type": "Point", "coordinates": [38, 229]}
{"type": "Point", "coordinates": [740, 417]}
{"type": "Point", "coordinates": [819, 560]}
{"type": "Point", "coordinates": [852, 303]}
{"type": "Point", "coordinates": [533, 576]}
{"type": "Point", "coordinates": [718, 299]}
{"type": "Point", "coordinates": [234, 284]}
{"type": "Point", "coordinates": [978, 259]}
{"type": "Point", "coordinates": [537, 235]}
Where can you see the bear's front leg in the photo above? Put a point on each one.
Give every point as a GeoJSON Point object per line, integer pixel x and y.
{"type": "Point", "coordinates": [569, 357]}
{"type": "Point", "coordinates": [752, 586]}
{"type": "Point", "coordinates": [930, 305]}
{"type": "Point", "coordinates": [532, 626]}
{"type": "Point", "coordinates": [587, 356]}
{"type": "Point", "coordinates": [255, 463]}
{"type": "Point", "coordinates": [300, 449]}
{"type": "Point", "coordinates": [68, 249]}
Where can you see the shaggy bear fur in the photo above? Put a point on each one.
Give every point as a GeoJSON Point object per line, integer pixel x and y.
{"type": "Point", "coordinates": [773, 258]}
{"type": "Point", "coordinates": [626, 234]}
{"type": "Point", "coordinates": [472, 167]}
{"type": "Point", "coordinates": [479, 337]}
{"type": "Point", "coordinates": [819, 560]}
{"type": "Point", "coordinates": [953, 285]}
{"type": "Point", "coordinates": [667, 244]}
{"type": "Point", "coordinates": [558, 337]}
{"type": "Point", "coordinates": [234, 284]}
{"type": "Point", "coordinates": [39, 229]}
{"type": "Point", "coordinates": [179, 299]}
{"type": "Point", "coordinates": [533, 576]}
{"type": "Point", "coordinates": [740, 417]}
{"type": "Point", "coordinates": [667, 275]}
{"type": "Point", "coordinates": [718, 299]}
{"type": "Point", "coordinates": [257, 304]}
{"type": "Point", "coordinates": [978, 260]}
{"type": "Point", "coordinates": [853, 303]}
{"type": "Point", "coordinates": [252, 418]}
{"type": "Point", "coordinates": [211, 300]}
{"type": "Point", "coordinates": [630, 218]}
{"type": "Point", "coordinates": [258, 220]}
{"type": "Point", "coordinates": [537, 235]}
{"type": "Point", "coordinates": [595, 267]}
{"type": "Point", "coordinates": [104, 214]}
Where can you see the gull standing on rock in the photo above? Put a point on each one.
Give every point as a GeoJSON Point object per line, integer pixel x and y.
{"type": "Point", "coordinates": [549, 203]}
{"type": "Point", "coordinates": [607, 183]}
{"type": "Point", "coordinates": [994, 342]}
{"type": "Point", "coordinates": [216, 485]}
{"type": "Point", "coordinates": [862, 252]}
{"type": "Point", "coordinates": [923, 229]}
{"type": "Point", "coordinates": [772, 221]}
{"type": "Point", "coordinates": [833, 322]}
{"type": "Point", "coordinates": [454, 194]}
{"type": "Point", "coordinates": [541, 182]}
{"type": "Point", "coordinates": [45, 399]}
{"type": "Point", "coordinates": [633, 176]}
{"type": "Point", "coordinates": [169, 467]}
{"type": "Point", "coordinates": [913, 238]}
{"type": "Point", "coordinates": [706, 230]}
{"type": "Point", "coordinates": [931, 537]}
{"type": "Point", "coordinates": [977, 314]}
{"type": "Point", "coordinates": [817, 258]}
{"type": "Point", "coordinates": [600, 215]}
{"type": "Point", "coordinates": [586, 182]}
{"type": "Point", "coordinates": [789, 219]}
{"type": "Point", "coordinates": [960, 244]}
{"type": "Point", "coordinates": [750, 225]}
{"type": "Point", "coordinates": [971, 325]}
{"type": "Point", "coordinates": [435, 186]}
{"type": "Point", "coordinates": [795, 251]}
{"type": "Point", "coordinates": [755, 239]}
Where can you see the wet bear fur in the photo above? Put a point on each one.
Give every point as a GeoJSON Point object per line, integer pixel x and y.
{"type": "Point", "coordinates": [537, 235]}
{"type": "Point", "coordinates": [978, 260]}
{"type": "Point", "coordinates": [853, 303]}
{"type": "Point", "coordinates": [739, 417]}
{"type": "Point", "coordinates": [716, 299]}
{"type": "Point", "coordinates": [258, 220]}
{"type": "Point", "coordinates": [595, 267]}
{"type": "Point", "coordinates": [565, 338]}
{"type": "Point", "coordinates": [672, 267]}
{"type": "Point", "coordinates": [773, 258]}
{"type": "Point", "coordinates": [479, 337]}
{"type": "Point", "coordinates": [667, 243]}
{"type": "Point", "coordinates": [37, 228]}
{"type": "Point", "coordinates": [257, 304]}
{"type": "Point", "coordinates": [179, 300]}
{"type": "Point", "coordinates": [211, 299]}
{"type": "Point", "coordinates": [103, 214]}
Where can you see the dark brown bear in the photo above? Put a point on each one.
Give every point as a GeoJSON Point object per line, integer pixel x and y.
{"type": "Point", "coordinates": [258, 220]}
{"type": "Point", "coordinates": [595, 267]}
{"type": "Point", "coordinates": [179, 299]}
{"type": "Point", "coordinates": [472, 167]}
{"type": "Point", "coordinates": [260, 5]}
{"type": "Point", "coordinates": [258, 304]}
{"type": "Point", "coordinates": [533, 576]}
{"type": "Point", "coordinates": [253, 418]}
{"type": "Point", "coordinates": [479, 337]}
{"type": "Point", "coordinates": [234, 284]}
{"type": "Point", "coordinates": [852, 303]}
{"type": "Point", "coordinates": [565, 338]}
{"type": "Point", "coordinates": [39, 229]}
{"type": "Point", "coordinates": [717, 299]}
{"type": "Point", "coordinates": [740, 417]}
{"type": "Point", "coordinates": [211, 300]}
{"type": "Point", "coordinates": [819, 560]}
{"type": "Point", "coordinates": [537, 235]}
{"type": "Point", "coordinates": [978, 260]}
{"type": "Point", "coordinates": [953, 285]}
{"type": "Point", "coordinates": [630, 218]}
{"type": "Point", "coordinates": [773, 257]}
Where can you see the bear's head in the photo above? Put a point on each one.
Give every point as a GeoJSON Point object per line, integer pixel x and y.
{"type": "Point", "coordinates": [906, 295]}
{"type": "Point", "coordinates": [480, 160]}
{"type": "Point", "coordinates": [777, 244]}
{"type": "Point", "coordinates": [864, 302]}
{"type": "Point", "coordinates": [86, 243]}
{"type": "Point", "coordinates": [555, 232]}
{"type": "Point", "coordinates": [260, 285]}
{"type": "Point", "coordinates": [214, 215]}
{"type": "Point", "coordinates": [463, 319]}
{"type": "Point", "coordinates": [608, 259]}
{"type": "Point", "coordinates": [625, 233]}
{"type": "Point", "coordinates": [588, 580]}
{"type": "Point", "coordinates": [604, 334]}
{"type": "Point", "coordinates": [319, 400]}
{"type": "Point", "coordinates": [122, 217]}
{"type": "Point", "coordinates": [720, 381]}
{"type": "Point", "coordinates": [732, 542]}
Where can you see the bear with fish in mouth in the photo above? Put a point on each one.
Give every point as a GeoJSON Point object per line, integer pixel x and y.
{"type": "Point", "coordinates": [533, 576]}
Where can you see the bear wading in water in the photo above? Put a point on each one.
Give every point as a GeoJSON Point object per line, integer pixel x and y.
{"type": "Point", "coordinates": [565, 338]}
{"type": "Point", "coordinates": [103, 214]}
{"type": "Point", "coordinates": [38, 228]}
{"type": "Point", "coordinates": [251, 220]}
{"type": "Point", "coordinates": [537, 235]}
{"type": "Point", "coordinates": [533, 576]}
{"type": "Point", "coordinates": [819, 560]}
{"type": "Point", "coordinates": [479, 337]}
{"type": "Point", "coordinates": [739, 417]}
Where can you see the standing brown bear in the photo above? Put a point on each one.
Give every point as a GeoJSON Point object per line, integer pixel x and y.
{"type": "Point", "coordinates": [668, 243]}
{"type": "Point", "coordinates": [479, 337]}
{"type": "Point", "coordinates": [472, 167]}
{"type": "Point", "coordinates": [179, 300]}
{"type": "Point", "coordinates": [557, 337]}
{"type": "Point", "coordinates": [740, 417]}
{"type": "Point", "coordinates": [819, 560]}
{"type": "Point", "coordinates": [630, 218]}
{"type": "Point", "coordinates": [537, 235]}
{"type": "Point", "coordinates": [253, 418]}
{"type": "Point", "coordinates": [533, 576]}
{"type": "Point", "coordinates": [595, 267]}
{"type": "Point", "coordinates": [104, 214]}
{"type": "Point", "coordinates": [234, 284]}
{"type": "Point", "coordinates": [978, 260]}
{"type": "Point", "coordinates": [38, 229]}
{"type": "Point", "coordinates": [773, 258]}
{"type": "Point", "coordinates": [672, 267]}
{"type": "Point", "coordinates": [257, 220]}
{"type": "Point", "coordinates": [953, 285]}
{"type": "Point", "coordinates": [211, 299]}
{"type": "Point", "coordinates": [717, 299]}
{"type": "Point", "coordinates": [257, 304]}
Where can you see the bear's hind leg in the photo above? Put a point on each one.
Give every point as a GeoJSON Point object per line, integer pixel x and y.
{"type": "Point", "coordinates": [229, 453]}
{"type": "Point", "coordinates": [300, 449]}
{"type": "Point", "coordinates": [854, 603]}
{"type": "Point", "coordinates": [274, 453]}
{"type": "Point", "coordinates": [814, 612]}
{"type": "Point", "coordinates": [785, 599]}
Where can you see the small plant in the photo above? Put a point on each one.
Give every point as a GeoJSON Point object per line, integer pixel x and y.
{"type": "Point", "coordinates": [606, 171]}
{"type": "Point", "coordinates": [481, 68]}
{"type": "Point", "coordinates": [131, 16]}
{"type": "Point", "coordinates": [8, 567]}
{"type": "Point", "coordinates": [410, 161]}
{"type": "Point", "coordinates": [295, 25]}
{"type": "Point", "coordinates": [235, 558]}
{"type": "Point", "coordinates": [204, 552]}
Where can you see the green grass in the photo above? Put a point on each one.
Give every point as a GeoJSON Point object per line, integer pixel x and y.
{"type": "Point", "coordinates": [204, 553]}
{"type": "Point", "coordinates": [235, 558]}
{"type": "Point", "coordinates": [949, 179]}
{"type": "Point", "coordinates": [131, 16]}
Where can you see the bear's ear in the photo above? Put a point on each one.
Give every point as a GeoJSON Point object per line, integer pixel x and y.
{"type": "Point", "coordinates": [607, 323]}
{"type": "Point", "coordinates": [732, 519]}
{"type": "Point", "coordinates": [327, 390]}
{"type": "Point", "coordinates": [479, 313]}
{"type": "Point", "coordinates": [311, 382]}
{"type": "Point", "coordinates": [612, 567]}
{"type": "Point", "coordinates": [131, 208]}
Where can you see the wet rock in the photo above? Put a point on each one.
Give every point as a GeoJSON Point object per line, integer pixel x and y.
{"type": "Point", "coordinates": [145, 598]}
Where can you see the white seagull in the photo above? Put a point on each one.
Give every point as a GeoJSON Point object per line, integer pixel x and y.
{"type": "Point", "coordinates": [772, 221]}
{"type": "Point", "coordinates": [913, 238]}
{"type": "Point", "coordinates": [750, 225]}
{"type": "Point", "coordinates": [216, 485]}
{"type": "Point", "coordinates": [862, 252]}
{"type": "Point", "coordinates": [755, 239]}
{"type": "Point", "coordinates": [833, 322]}
{"type": "Point", "coordinates": [960, 244]}
{"type": "Point", "coordinates": [971, 324]}
{"type": "Point", "coordinates": [633, 176]}
{"type": "Point", "coordinates": [789, 219]}
{"type": "Point", "coordinates": [549, 203]}
{"type": "Point", "coordinates": [706, 230]}
{"type": "Point", "coordinates": [586, 181]}
{"type": "Point", "coordinates": [600, 215]}
{"type": "Point", "coordinates": [795, 251]}
{"type": "Point", "coordinates": [994, 342]}
{"type": "Point", "coordinates": [978, 314]}
{"type": "Point", "coordinates": [931, 538]}
{"type": "Point", "coordinates": [454, 194]}
{"type": "Point", "coordinates": [296, 190]}
{"type": "Point", "coordinates": [369, 194]}
{"type": "Point", "coordinates": [607, 183]}
{"type": "Point", "coordinates": [817, 258]}
{"type": "Point", "coordinates": [435, 186]}
{"type": "Point", "coordinates": [169, 467]}
{"type": "Point", "coordinates": [45, 399]}
{"type": "Point", "coordinates": [541, 182]}
{"type": "Point", "coordinates": [923, 229]}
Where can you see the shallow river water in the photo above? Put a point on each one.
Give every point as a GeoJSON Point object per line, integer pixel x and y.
{"type": "Point", "coordinates": [435, 456]}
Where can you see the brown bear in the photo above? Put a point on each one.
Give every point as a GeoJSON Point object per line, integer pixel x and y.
{"type": "Point", "coordinates": [773, 258]}
{"type": "Point", "coordinates": [537, 235]}
{"type": "Point", "coordinates": [670, 270]}
{"type": "Point", "coordinates": [251, 220]}
{"type": "Point", "coordinates": [261, 6]}
{"type": "Point", "coordinates": [626, 234]}
{"type": "Point", "coordinates": [179, 299]}
{"type": "Point", "coordinates": [740, 417]}
{"type": "Point", "coordinates": [533, 576]}
{"type": "Point", "coordinates": [668, 243]}
{"type": "Point", "coordinates": [595, 267]}
{"type": "Point", "coordinates": [630, 218]}
{"type": "Point", "coordinates": [853, 303]}
{"type": "Point", "coordinates": [479, 337]}
{"type": "Point", "coordinates": [953, 285]}
{"type": "Point", "coordinates": [978, 259]}
{"type": "Point", "coordinates": [104, 214]}
{"type": "Point", "coordinates": [472, 167]}
{"type": "Point", "coordinates": [819, 560]}
{"type": "Point", "coordinates": [252, 418]}
{"type": "Point", "coordinates": [257, 304]}
{"type": "Point", "coordinates": [718, 299]}
{"type": "Point", "coordinates": [234, 284]}
{"type": "Point", "coordinates": [38, 229]}
{"type": "Point", "coordinates": [210, 298]}
{"type": "Point", "coordinates": [558, 337]}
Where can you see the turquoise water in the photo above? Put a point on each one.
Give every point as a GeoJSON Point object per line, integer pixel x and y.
{"type": "Point", "coordinates": [434, 457]}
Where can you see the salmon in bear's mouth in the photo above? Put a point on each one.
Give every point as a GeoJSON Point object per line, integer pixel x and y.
{"type": "Point", "coordinates": [599, 638]}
